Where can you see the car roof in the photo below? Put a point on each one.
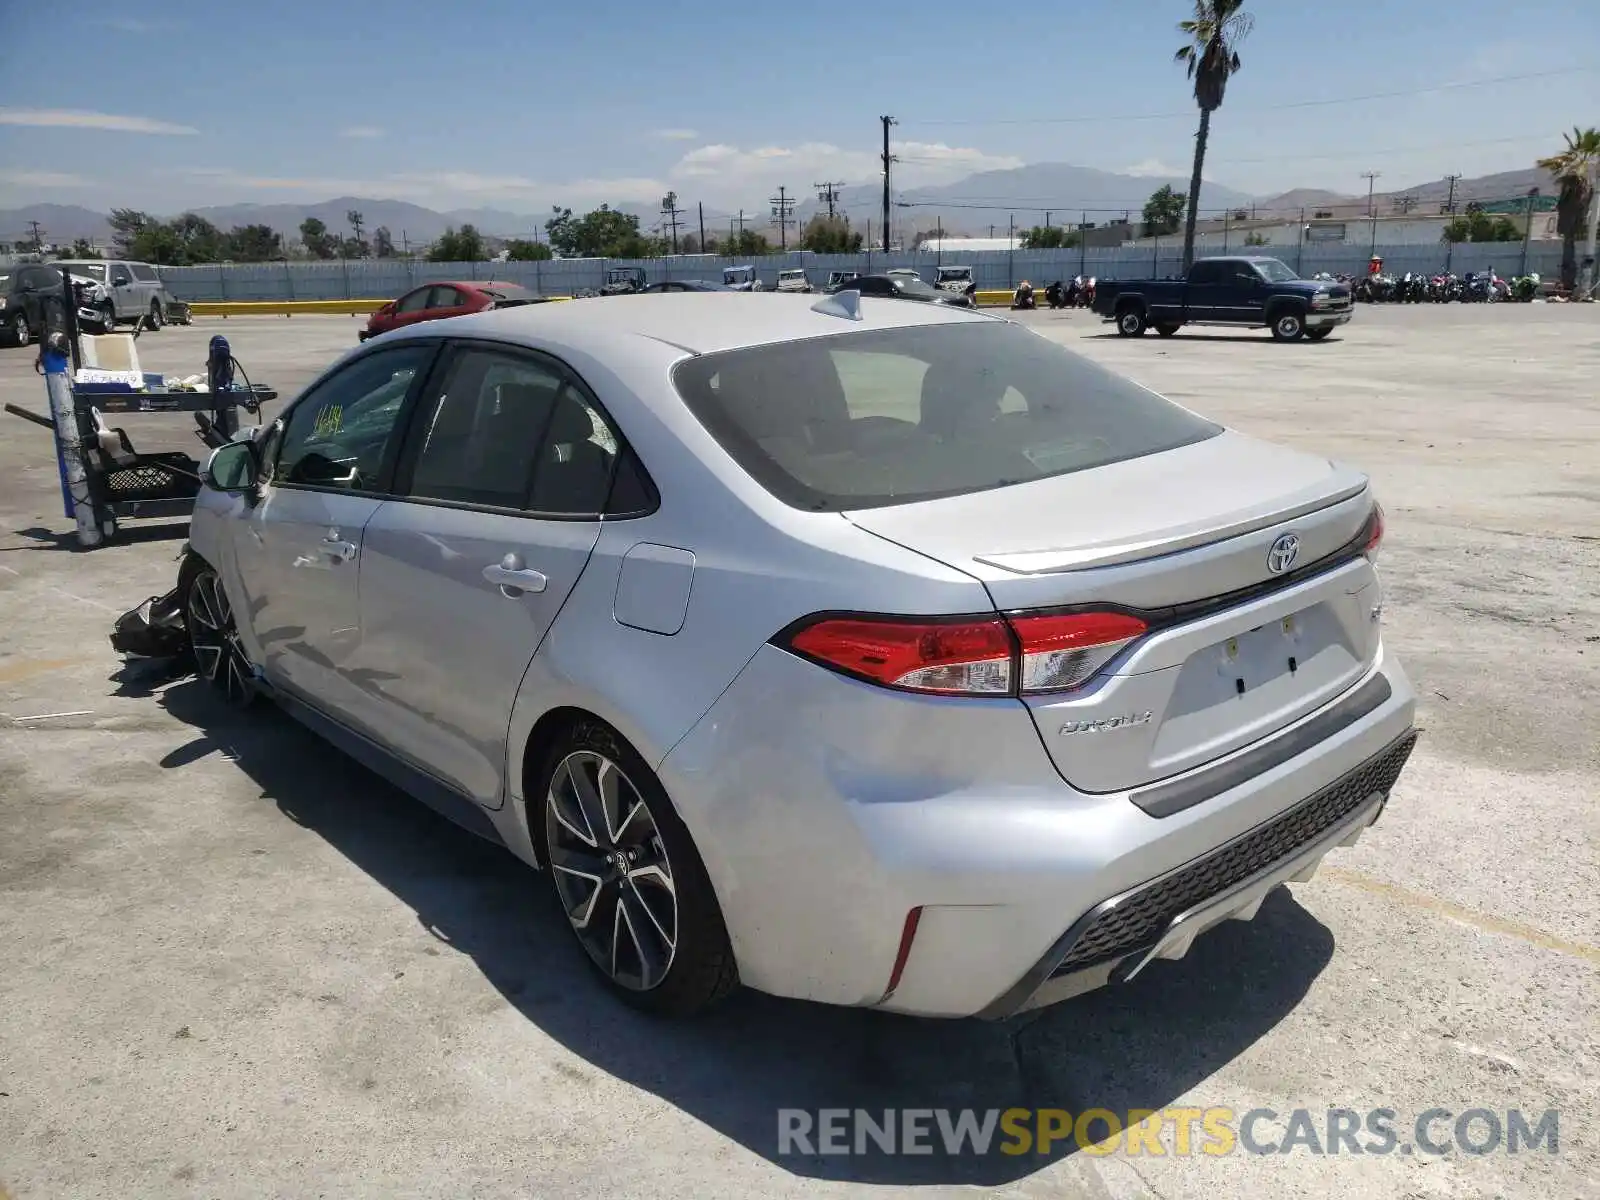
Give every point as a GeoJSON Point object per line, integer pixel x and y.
{"type": "Point", "coordinates": [696, 322]}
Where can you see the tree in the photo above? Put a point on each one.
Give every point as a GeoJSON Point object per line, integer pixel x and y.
{"type": "Point", "coordinates": [465, 245]}
{"type": "Point", "coordinates": [1479, 226]}
{"type": "Point", "coordinates": [524, 250]}
{"type": "Point", "coordinates": [745, 243]}
{"type": "Point", "coordinates": [319, 243]}
{"type": "Point", "coordinates": [1049, 237]}
{"type": "Point", "coordinates": [82, 249]}
{"type": "Point", "coordinates": [1163, 212]}
{"type": "Point", "coordinates": [1212, 57]}
{"type": "Point", "coordinates": [1575, 169]}
{"type": "Point", "coordinates": [829, 235]}
{"type": "Point", "coordinates": [382, 242]}
{"type": "Point", "coordinates": [253, 243]}
{"type": "Point", "coordinates": [603, 233]}
{"type": "Point", "coordinates": [126, 223]}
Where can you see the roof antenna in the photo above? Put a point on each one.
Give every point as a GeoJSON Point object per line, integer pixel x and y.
{"type": "Point", "coordinates": [846, 304]}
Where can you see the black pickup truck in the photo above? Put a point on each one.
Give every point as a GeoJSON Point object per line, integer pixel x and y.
{"type": "Point", "coordinates": [1248, 290]}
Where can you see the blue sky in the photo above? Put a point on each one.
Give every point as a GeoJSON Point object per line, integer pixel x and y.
{"type": "Point", "coordinates": [519, 105]}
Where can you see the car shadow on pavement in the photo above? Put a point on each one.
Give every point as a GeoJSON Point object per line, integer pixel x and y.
{"type": "Point", "coordinates": [52, 539]}
{"type": "Point", "coordinates": [1139, 1046]}
{"type": "Point", "coordinates": [1258, 337]}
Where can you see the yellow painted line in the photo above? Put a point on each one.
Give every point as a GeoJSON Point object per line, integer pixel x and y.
{"type": "Point", "coordinates": [1467, 916]}
{"type": "Point", "coordinates": [27, 668]}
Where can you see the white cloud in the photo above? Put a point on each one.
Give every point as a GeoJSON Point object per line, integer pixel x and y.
{"type": "Point", "coordinates": [443, 187]}
{"type": "Point", "coordinates": [1152, 167]}
{"type": "Point", "coordinates": [361, 131]}
{"type": "Point", "coordinates": [42, 179]}
{"type": "Point", "coordinates": [67, 118]}
{"type": "Point", "coordinates": [731, 168]}
{"type": "Point", "coordinates": [677, 135]}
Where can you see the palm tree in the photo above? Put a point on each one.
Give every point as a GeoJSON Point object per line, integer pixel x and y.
{"type": "Point", "coordinates": [1574, 169]}
{"type": "Point", "coordinates": [1212, 56]}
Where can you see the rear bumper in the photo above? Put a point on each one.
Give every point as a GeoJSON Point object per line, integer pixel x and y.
{"type": "Point", "coordinates": [826, 810]}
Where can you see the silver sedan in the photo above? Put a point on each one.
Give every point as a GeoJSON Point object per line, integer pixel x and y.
{"type": "Point", "coordinates": [867, 652]}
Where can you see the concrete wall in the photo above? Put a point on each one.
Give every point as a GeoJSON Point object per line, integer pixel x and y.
{"type": "Point", "coordinates": [385, 278]}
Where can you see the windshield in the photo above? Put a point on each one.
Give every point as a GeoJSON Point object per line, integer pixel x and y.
{"type": "Point", "coordinates": [955, 274]}
{"type": "Point", "coordinates": [95, 271]}
{"type": "Point", "coordinates": [791, 274]}
{"type": "Point", "coordinates": [1274, 270]}
{"type": "Point", "coordinates": [864, 420]}
{"type": "Point", "coordinates": [738, 274]}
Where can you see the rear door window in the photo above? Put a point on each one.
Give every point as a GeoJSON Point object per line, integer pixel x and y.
{"type": "Point", "coordinates": [894, 416]}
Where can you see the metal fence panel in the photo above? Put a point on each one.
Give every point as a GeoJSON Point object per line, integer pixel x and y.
{"type": "Point", "coordinates": [995, 269]}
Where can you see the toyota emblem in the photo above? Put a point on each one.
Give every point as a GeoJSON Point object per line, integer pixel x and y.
{"type": "Point", "coordinates": [1281, 555]}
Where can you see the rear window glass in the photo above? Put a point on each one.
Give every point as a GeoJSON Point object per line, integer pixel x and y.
{"type": "Point", "coordinates": [894, 416]}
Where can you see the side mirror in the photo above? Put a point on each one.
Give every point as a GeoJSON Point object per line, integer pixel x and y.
{"type": "Point", "coordinates": [233, 468]}
{"type": "Point", "coordinates": [121, 280]}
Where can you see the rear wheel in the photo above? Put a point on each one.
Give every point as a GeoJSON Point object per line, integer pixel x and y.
{"type": "Point", "coordinates": [1166, 329]}
{"type": "Point", "coordinates": [628, 876]}
{"type": "Point", "coordinates": [1316, 335]}
{"type": "Point", "coordinates": [1131, 322]}
{"type": "Point", "coordinates": [1288, 326]}
{"type": "Point", "coordinates": [157, 317]}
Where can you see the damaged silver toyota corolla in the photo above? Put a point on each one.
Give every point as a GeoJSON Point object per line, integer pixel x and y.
{"type": "Point", "coordinates": [873, 653]}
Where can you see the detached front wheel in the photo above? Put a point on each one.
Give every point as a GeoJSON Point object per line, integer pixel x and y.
{"type": "Point", "coordinates": [628, 876]}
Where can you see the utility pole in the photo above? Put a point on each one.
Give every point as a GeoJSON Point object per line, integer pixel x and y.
{"type": "Point", "coordinates": [1528, 230]}
{"type": "Point", "coordinates": [670, 210]}
{"type": "Point", "coordinates": [782, 206]}
{"type": "Point", "coordinates": [1372, 177]}
{"type": "Point", "coordinates": [1450, 204]}
{"type": "Point", "coordinates": [828, 193]}
{"type": "Point", "coordinates": [702, 208]}
{"type": "Point", "coordinates": [887, 160]}
{"type": "Point", "coordinates": [37, 235]}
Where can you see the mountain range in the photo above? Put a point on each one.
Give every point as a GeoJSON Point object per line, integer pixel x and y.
{"type": "Point", "coordinates": [971, 205]}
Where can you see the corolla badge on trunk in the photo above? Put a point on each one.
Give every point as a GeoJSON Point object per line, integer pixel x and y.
{"type": "Point", "coordinates": [1282, 553]}
{"type": "Point", "coordinates": [1109, 724]}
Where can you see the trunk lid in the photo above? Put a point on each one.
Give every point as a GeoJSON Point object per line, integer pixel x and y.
{"type": "Point", "coordinates": [1236, 651]}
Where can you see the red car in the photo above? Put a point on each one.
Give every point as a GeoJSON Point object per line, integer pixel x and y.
{"type": "Point", "coordinates": [433, 301]}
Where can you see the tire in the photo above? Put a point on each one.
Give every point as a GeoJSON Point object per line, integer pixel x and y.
{"type": "Point", "coordinates": [627, 876]}
{"type": "Point", "coordinates": [1289, 325]}
{"type": "Point", "coordinates": [109, 312]}
{"type": "Point", "coordinates": [157, 318]}
{"type": "Point", "coordinates": [219, 659]}
{"type": "Point", "coordinates": [21, 333]}
{"type": "Point", "coordinates": [1316, 335]}
{"type": "Point", "coordinates": [1132, 322]}
{"type": "Point", "coordinates": [1166, 329]}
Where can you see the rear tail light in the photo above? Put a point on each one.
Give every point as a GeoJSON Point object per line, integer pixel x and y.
{"type": "Point", "coordinates": [1374, 532]}
{"type": "Point", "coordinates": [992, 656]}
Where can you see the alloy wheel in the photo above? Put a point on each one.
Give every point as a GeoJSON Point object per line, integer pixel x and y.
{"type": "Point", "coordinates": [611, 870]}
{"type": "Point", "coordinates": [219, 658]}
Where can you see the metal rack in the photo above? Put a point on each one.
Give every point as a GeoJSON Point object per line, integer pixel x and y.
{"type": "Point", "coordinates": [99, 488]}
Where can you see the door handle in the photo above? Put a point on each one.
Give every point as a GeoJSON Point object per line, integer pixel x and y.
{"type": "Point", "coordinates": [336, 548]}
{"type": "Point", "coordinates": [512, 578]}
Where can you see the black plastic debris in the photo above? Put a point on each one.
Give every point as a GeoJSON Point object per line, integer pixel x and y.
{"type": "Point", "coordinates": [154, 629]}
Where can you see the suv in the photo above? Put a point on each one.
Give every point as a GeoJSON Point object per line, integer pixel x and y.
{"type": "Point", "coordinates": [25, 289]}
{"type": "Point", "coordinates": [135, 292]}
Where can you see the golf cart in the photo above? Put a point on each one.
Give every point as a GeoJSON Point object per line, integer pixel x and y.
{"type": "Point", "coordinates": [837, 279]}
{"type": "Point", "coordinates": [793, 280]}
{"type": "Point", "coordinates": [741, 279]}
{"type": "Point", "coordinates": [623, 281]}
{"type": "Point", "coordinates": [955, 279]}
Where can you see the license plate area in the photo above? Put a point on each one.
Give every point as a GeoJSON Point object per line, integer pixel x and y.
{"type": "Point", "coordinates": [1258, 656]}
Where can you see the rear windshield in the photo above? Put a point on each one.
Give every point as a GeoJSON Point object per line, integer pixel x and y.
{"type": "Point", "coordinates": [865, 420]}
